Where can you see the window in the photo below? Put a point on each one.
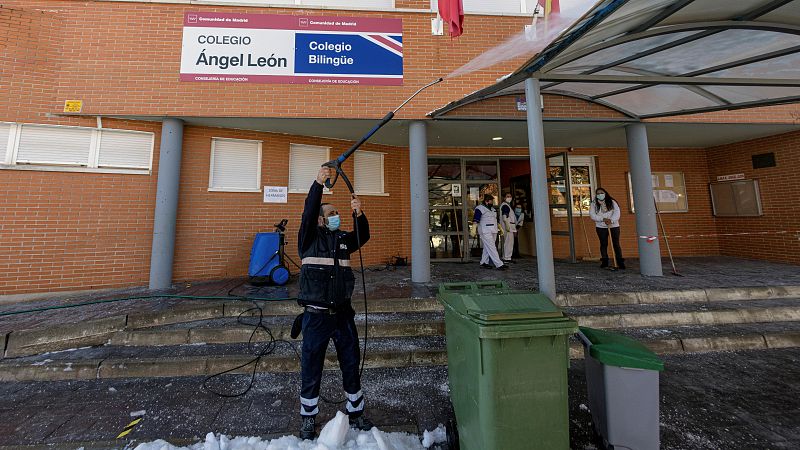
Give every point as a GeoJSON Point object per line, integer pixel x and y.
{"type": "Point", "coordinates": [583, 183]}
{"type": "Point", "coordinates": [125, 149]}
{"type": "Point", "coordinates": [304, 163]}
{"type": "Point", "coordinates": [368, 172]}
{"type": "Point", "coordinates": [235, 165]}
{"type": "Point", "coordinates": [67, 148]}
{"type": "Point", "coordinates": [41, 144]}
{"type": "Point", "coordinates": [6, 142]}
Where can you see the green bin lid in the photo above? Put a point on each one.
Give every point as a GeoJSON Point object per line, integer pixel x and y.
{"type": "Point", "coordinates": [621, 351]}
{"type": "Point", "coordinates": [493, 301]}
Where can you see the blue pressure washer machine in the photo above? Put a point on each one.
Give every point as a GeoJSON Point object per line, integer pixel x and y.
{"type": "Point", "coordinates": [268, 258]}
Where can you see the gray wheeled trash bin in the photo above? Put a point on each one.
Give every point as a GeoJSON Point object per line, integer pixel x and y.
{"type": "Point", "coordinates": [622, 382]}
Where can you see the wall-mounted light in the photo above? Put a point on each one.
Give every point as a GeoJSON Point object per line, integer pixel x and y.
{"type": "Point", "coordinates": [497, 138]}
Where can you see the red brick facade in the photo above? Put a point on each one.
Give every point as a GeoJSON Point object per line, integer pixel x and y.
{"type": "Point", "coordinates": [70, 231]}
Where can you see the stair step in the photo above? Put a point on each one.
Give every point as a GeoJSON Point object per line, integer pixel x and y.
{"type": "Point", "coordinates": [223, 328]}
{"type": "Point", "coordinates": [52, 369]}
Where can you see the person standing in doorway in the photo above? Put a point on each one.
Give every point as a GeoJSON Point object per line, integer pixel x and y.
{"type": "Point", "coordinates": [508, 222]}
{"type": "Point", "coordinates": [605, 212]}
{"type": "Point", "coordinates": [520, 216]}
{"type": "Point", "coordinates": [486, 221]}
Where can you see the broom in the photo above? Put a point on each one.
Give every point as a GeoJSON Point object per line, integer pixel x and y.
{"type": "Point", "coordinates": [583, 226]}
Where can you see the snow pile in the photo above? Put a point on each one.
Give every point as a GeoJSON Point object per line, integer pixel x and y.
{"type": "Point", "coordinates": [434, 437]}
{"type": "Point", "coordinates": [335, 435]}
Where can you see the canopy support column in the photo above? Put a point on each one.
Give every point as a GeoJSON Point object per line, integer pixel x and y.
{"type": "Point", "coordinates": [642, 186]}
{"type": "Point", "coordinates": [541, 205]}
{"type": "Point", "coordinates": [162, 253]}
{"type": "Point", "coordinates": [418, 172]}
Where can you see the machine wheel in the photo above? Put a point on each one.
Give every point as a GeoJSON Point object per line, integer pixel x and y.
{"type": "Point", "coordinates": [279, 275]}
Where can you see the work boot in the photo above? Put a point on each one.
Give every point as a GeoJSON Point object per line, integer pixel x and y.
{"type": "Point", "coordinates": [621, 264]}
{"type": "Point", "coordinates": [603, 263]}
{"type": "Point", "coordinates": [361, 423]}
{"type": "Point", "coordinates": [503, 267]}
{"type": "Point", "coordinates": [486, 266]}
{"type": "Point", "coordinates": [308, 428]}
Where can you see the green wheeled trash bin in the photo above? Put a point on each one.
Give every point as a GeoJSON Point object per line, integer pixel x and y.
{"type": "Point", "coordinates": [507, 360]}
{"type": "Point", "coordinates": [622, 382]}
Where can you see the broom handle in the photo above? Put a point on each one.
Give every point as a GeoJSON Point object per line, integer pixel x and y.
{"type": "Point", "coordinates": [664, 232]}
{"type": "Point", "coordinates": [583, 225]}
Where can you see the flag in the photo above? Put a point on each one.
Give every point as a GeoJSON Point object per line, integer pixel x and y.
{"type": "Point", "coordinates": [452, 12]}
{"type": "Point", "coordinates": [550, 6]}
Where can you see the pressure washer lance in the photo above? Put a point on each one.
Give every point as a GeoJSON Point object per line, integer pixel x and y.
{"type": "Point", "coordinates": [336, 164]}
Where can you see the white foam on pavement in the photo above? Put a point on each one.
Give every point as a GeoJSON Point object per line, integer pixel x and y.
{"type": "Point", "coordinates": [335, 435]}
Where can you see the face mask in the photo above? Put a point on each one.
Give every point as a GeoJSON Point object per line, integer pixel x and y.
{"type": "Point", "coordinates": [601, 197]}
{"type": "Point", "coordinates": [518, 210]}
{"type": "Point", "coordinates": [508, 199]}
{"type": "Point", "coordinates": [333, 223]}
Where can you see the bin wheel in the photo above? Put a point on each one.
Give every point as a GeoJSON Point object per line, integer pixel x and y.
{"type": "Point", "coordinates": [452, 435]}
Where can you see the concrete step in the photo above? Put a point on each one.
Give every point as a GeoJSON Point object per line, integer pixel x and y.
{"type": "Point", "coordinates": [208, 360]}
{"type": "Point", "coordinates": [218, 323]}
{"type": "Point", "coordinates": [709, 295]}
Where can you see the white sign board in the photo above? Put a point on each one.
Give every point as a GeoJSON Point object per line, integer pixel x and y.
{"type": "Point", "coordinates": [276, 194]}
{"type": "Point", "coordinates": [736, 176]}
{"type": "Point", "coordinates": [456, 190]}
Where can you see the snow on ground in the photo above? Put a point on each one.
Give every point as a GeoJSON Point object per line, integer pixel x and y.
{"type": "Point", "coordinates": [335, 435]}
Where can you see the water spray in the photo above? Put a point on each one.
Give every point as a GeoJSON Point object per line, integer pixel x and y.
{"type": "Point", "coordinates": [336, 164]}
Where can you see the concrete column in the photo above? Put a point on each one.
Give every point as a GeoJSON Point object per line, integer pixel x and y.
{"type": "Point", "coordinates": [169, 172]}
{"type": "Point", "coordinates": [420, 243]}
{"type": "Point", "coordinates": [541, 204]}
{"type": "Point", "coordinates": [642, 185]}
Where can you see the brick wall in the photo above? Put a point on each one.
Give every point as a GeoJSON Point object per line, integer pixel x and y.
{"type": "Point", "coordinates": [68, 231]}
{"type": "Point", "coordinates": [780, 199]}
{"type": "Point", "coordinates": [215, 229]}
{"type": "Point", "coordinates": [129, 57]}
{"type": "Point", "coordinates": [28, 55]}
{"type": "Point", "coordinates": [64, 231]}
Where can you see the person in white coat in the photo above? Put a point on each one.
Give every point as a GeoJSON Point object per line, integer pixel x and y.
{"type": "Point", "coordinates": [605, 213]}
{"type": "Point", "coordinates": [508, 223]}
{"type": "Point", "coordinates": [486, 220]}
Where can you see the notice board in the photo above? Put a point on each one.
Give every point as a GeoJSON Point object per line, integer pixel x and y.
{"type": "Point", "coordinates": [740, 198]}
{"type": "Point", "coordinates": [669, 191]}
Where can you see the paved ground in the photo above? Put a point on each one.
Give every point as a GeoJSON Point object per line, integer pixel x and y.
{"type": "Point", "coordinates": [708, 401]}
{"type": "Point", "coordinates": [699, 273]}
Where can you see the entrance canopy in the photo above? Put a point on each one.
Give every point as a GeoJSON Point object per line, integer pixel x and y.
{"type": "Point", "coordinates": [655, 58]}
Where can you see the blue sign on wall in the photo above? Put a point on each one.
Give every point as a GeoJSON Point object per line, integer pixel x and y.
{"type": "Point", "coordinates": [349, 54]}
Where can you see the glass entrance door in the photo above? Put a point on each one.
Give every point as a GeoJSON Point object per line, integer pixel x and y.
{"type": "Point", "coordinates": [455, 188]}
